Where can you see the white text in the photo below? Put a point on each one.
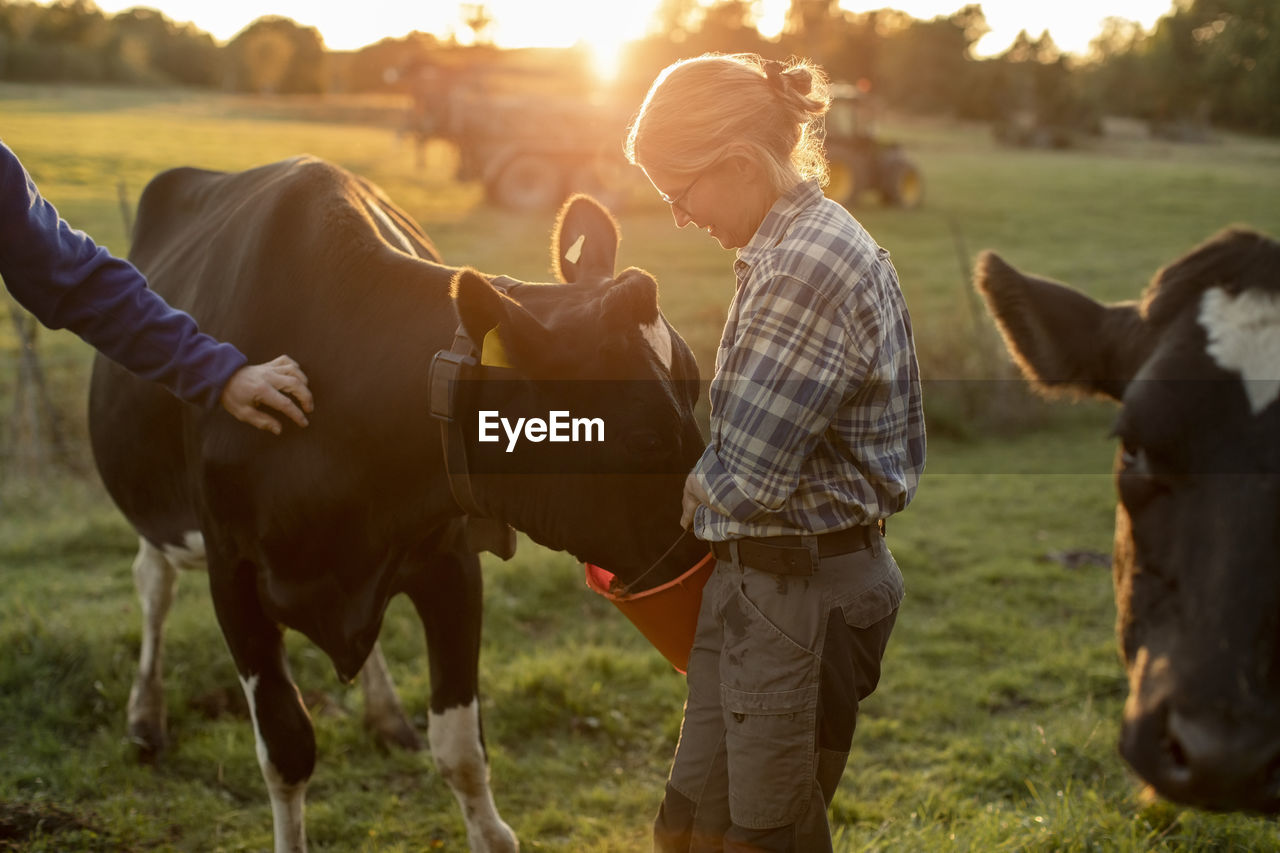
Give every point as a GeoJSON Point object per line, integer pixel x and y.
{"type": "Point", "coordinates": [558, 427]}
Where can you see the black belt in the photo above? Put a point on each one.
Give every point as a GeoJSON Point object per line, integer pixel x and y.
{"type": "Point", "coordinates": [790, 555]}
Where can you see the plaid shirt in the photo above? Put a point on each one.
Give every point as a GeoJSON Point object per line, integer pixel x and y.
{"type": "Point", "coordinates": [816, 416]}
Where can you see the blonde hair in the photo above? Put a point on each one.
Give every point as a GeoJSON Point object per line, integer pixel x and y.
{"type": "Point", "coordinates": [703, 109]}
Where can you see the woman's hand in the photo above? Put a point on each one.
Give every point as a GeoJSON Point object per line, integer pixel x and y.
{"type": "Point", "coordinates": [694, 496]}
{"type": "Point", "coordinates": [279, 384]}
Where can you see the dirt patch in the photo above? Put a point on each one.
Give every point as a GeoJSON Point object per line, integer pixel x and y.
{"type": "Point", "coordinates": [21, 823]}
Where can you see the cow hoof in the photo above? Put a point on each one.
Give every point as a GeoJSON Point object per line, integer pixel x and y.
{"type": "Point", "coordinates": [495, 838]}
{"type": "Point", "coordinates": [148, 741]}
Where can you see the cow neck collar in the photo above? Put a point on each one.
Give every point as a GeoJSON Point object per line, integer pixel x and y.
{"type": "Point", "coordinates": [449, 368]}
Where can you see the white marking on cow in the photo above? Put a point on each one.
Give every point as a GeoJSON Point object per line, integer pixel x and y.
{"type": "Point", "coordinates": [1244, 337]}
{"type": "Point", "coordinates": [455, 744]}
{"type": "Point", "coordinates": [659, 337]}
{"type": "Point", "coordinates": [574, 252]}
{"type": "Point", "coordinates": [190, 555]}
{"type": "Point", "coordinates": [287, 801]}
{"type": "Point", "coordinates": [385, 220]}
{"type": "Point", "coordinates": [155, 577]}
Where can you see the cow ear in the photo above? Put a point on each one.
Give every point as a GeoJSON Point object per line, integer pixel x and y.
{"type": "Point", "coordinates": [584, 242]}
{"type": "Point", "coordinates": [1061, 339]}
{"type": "Point", "coordinates": [634, 299]}
{"type": "Point", "coordinates": [633, 302]}
{"type": "Point", "coordinates": [478, 303]}
{"type": "Point", "coordinates": [482, 308]}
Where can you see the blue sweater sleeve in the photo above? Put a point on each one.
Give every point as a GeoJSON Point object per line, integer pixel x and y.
{"type": "Point", "coordinates": [69, 282]}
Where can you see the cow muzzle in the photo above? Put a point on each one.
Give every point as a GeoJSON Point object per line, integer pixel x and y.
{"type": "Point", "coordinates": [1215, 753]}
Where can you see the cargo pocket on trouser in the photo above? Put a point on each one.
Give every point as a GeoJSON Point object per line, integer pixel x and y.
{"type": "Point", "coordinates": [870, 617]}
{"type": "Point", "coordinates": [770, 742]}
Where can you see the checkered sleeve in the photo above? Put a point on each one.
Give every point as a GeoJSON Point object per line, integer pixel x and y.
{"type": "Point", "coordinates": [776, 392]}
{"type": "Point", "coordinates": [816, 416]}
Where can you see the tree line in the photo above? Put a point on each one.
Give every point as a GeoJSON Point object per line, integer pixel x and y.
{"type": "Point", "coordinates": [1205, 61]}
{"type": "Point", "coordinates": [75, 41]}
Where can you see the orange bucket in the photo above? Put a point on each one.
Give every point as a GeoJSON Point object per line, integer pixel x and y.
{"type": "Point", "coordinates": [667, 615]}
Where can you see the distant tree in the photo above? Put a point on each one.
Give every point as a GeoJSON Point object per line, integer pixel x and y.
{"type": "Point", "coordinates": [845, 44]}
{"type": "Point", "coordinates": [1118, 37]}
{"type": "Point", "coordinates": [684, 28]}
{"type": "Point", "coordinates": [925, 66]}
{"type": "Point", "coordinates": [61, 41]}
{"type": "Point", "coordinates": [147, 46]}
{"type": "Point", "coordinates": [389, 65]}
{"type": "Point", "coordinates": [1173, 59]}
{"type": "Point", "coordinates": [72, 22]}
{"type": "Point", "coordinates": [276, 55]}
{"type": "Point", "coordinates": [1116, 79]}
{"type": "Point", "coordinates": [727, 26]}
{"type": "Point", "coordinates": [1207, 60]}
{"type": "Point", "coordinates": [674, 20]}
{"type": "Point", "coordinates": [477, 18]}
{"type": "Point", "coordinates": [1024, 82]}
{"type": "Point", "coordinates": [807, 17]}
{"type": "Point", "coordinates": [1042, 90]}
{"type": "Point", "coordinates": [1240, 60]}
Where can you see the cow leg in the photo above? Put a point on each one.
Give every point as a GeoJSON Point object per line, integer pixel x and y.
{"type": "Point", "coordinates": [448, 600]}
{"type": "Point", "coordinates": [383, 713]}
{"type": "Point", "coordinates": [284, 738]}
{"type": "Point", "coordinates": [156, 580]}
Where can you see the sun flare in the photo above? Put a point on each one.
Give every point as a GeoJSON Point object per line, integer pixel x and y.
{"type": "Point", "coordinates": [602, 28]}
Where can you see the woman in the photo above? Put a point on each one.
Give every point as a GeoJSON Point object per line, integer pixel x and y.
{"type": "Point", "coordinates": [817, 437]}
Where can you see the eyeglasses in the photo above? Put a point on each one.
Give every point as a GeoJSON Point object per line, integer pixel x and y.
{"type": "Point", "coordinates": [677, 202]}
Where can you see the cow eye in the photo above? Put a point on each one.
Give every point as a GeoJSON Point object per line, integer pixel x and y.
{"type": "Point", "coordinates": [1137, 481]}
{"type": "Point", "coordinates": [1133, 459]}
{"type": "Point", "coordinates": [645, 442]}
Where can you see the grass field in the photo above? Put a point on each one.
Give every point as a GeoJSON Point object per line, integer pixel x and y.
{"type": "Point", "coordinates": [996, 720]}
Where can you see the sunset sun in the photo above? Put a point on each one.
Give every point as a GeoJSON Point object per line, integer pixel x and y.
{"type": "Point", "coordinates": [601, 28]}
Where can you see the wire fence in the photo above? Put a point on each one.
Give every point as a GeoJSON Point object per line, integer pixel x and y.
{"type": "Point", "coordinates": [44, 380]}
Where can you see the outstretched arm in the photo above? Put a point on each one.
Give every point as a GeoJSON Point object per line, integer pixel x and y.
{"type": "Point", "coordinates": [67, 281]}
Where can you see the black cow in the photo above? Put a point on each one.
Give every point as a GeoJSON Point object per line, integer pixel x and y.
{"type": "Point", "coordinates": [316, 530]}
{"type": "Point", "coordinates": [1196, 368]}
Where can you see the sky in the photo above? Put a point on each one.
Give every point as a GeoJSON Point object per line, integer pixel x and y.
{"type": "Point", "coordinates": [606, 24]}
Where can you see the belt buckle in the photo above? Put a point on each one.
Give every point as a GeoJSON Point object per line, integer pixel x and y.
{"type": "Point", "coordinates": [809, 542]}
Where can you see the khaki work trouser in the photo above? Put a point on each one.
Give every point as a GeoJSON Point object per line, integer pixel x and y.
{"type": "Point", "coordinates": [778, 667]}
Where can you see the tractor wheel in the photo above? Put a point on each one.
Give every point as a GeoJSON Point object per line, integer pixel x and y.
{"type": "Point", "coordinates": [904, 187]}
{"type": "Point", "coordinates": [842, 180]}
{"type": "Point", "coordinates": [528, 182]}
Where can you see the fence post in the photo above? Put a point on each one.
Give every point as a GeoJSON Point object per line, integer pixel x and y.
{"type": "Point", "coordinates": [36, 438]}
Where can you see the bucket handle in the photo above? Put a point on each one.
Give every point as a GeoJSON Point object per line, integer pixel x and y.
{"type": "Point", "coordinates": [626, 590]}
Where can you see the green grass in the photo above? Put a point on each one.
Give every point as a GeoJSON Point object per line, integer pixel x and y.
{"type": "Point", "coordinates": [996, 721]}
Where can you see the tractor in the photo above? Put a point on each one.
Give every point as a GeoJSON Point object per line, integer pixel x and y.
{"type": "Point", "coordinates": [522, 131]}
{"type": "Point", "coordinates": [860, 162]}
{"type": "Point", "coordinates": [531, 153]}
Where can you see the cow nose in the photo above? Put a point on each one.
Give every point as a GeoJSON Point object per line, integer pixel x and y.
{"type": "Point", "coordinates": [1220, 763]}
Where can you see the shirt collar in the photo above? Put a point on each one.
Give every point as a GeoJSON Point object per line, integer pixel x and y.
{"type": "Point", "coordinates": [778, 221]}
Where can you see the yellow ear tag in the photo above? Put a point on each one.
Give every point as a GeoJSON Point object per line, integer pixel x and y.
{"type": "Point", "coordinates": [492, 352]}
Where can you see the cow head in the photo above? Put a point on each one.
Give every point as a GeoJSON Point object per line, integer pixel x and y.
{"type": "Point", "coordinates": [592, 361]}
{"type": "Point", "coordinates": [1196, 369]}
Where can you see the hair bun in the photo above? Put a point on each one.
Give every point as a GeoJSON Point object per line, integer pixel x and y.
{"type": "Point", "coordinates": [801, 79]}
{"type": "Point", "coordinates": [773, 75]}
{"type": "Point", "coordinates": [781, 78]}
